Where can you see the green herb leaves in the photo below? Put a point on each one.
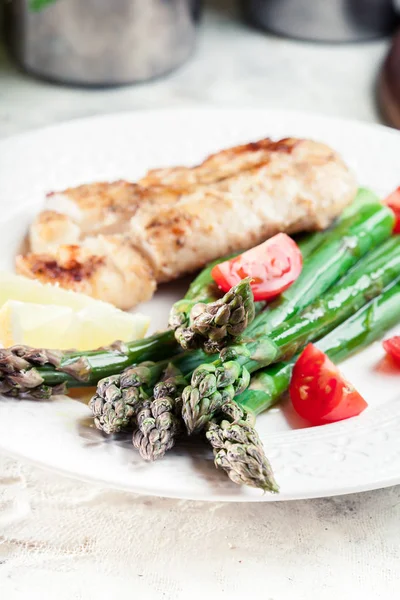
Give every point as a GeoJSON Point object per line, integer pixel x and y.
{"type": "Point", "coordinates": [37, 5]}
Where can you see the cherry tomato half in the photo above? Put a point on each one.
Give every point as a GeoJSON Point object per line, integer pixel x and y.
{"type": "Point", "coordinates": [318, 391]}
{"type": "Point", "coordinates": [393, 202]}
{"type": "Point", "coordinates": [392, 347]}
{"type": "Point", "coordinates": [273, 267]}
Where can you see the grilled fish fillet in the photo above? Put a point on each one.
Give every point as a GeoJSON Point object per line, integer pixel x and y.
{"type": "Point", "coordinates": [116, 241]}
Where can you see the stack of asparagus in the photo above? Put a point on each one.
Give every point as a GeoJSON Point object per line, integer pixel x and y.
{"type": "Point", "coordinates": [225, 360]}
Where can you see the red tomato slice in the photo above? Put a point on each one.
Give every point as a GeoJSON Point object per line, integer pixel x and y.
{"type": "Point", "coordinates": [273, 266]}
{"type": "Point", "coordinates": [392, 347]}
{"type": "Point", "coordinates": [393, 202]}
{"type": "Point", "coordinates": [318, 391]}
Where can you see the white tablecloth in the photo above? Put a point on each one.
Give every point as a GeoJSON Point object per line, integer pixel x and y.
{"type": "Point", "coordinates": [69, 540]}
{"type": "Point", "coordinates": [63, 539]}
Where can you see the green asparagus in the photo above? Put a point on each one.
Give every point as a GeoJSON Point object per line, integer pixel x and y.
{"type": "Point", "coordinates": [202, 289]}
{"type": "Point", "coordinates": [219, 381]}
{"type": "Point", "coordinates": [364, 327]}
{"type": "Point", "coordinates": [40, 373]}
{"type": "Point", "coordinates": [223, 320]}
{"type": "Point", "coordinates": [238, 449]}
{"type": "Point", "coordinates": [118, 397]}
{"type": "Point", "coordinates": [351, 239]}
{"type": "Point", "coordinates": [268, 385]}
{"type": "Point", "coordinates": [158, 421]}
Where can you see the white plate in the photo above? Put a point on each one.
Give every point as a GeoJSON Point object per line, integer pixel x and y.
{"type": "Point", "coordinates": [359, 454]}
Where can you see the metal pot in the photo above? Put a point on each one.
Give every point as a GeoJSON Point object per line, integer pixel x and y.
{"type": "Point", "coordinates": [101, 42]}
{"type": "Point", "coordinates": [323, 20]}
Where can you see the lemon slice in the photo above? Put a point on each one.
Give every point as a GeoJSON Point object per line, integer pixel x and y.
{"type": "Point", "coordinates": [45, 316]}
{"type": "Point", "coordinates": [98, 327]}
{"type": "Point", "coordinates": [17, 287]}
{"type": "Point", "coordinates": [36, 325]}
{"type": "Point", "coordinates": [50, 326]}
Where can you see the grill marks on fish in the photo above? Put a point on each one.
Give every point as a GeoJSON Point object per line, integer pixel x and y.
{"type": "Point", "coordinates": [46, 267]}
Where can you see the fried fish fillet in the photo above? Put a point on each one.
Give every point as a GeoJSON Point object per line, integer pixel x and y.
{"type": "Point", "coordinates": [116, 241]}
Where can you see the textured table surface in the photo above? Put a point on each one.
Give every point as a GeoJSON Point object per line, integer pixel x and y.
{"type": "Point", "coordinates": [65, 539]}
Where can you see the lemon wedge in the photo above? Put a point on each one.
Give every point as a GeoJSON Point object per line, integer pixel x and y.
{"type": "Point", "coordinates": [45, 316]}
{"type": "Point", "coordinates": [36, 325]}
{"type": "Point", "coordinates": [17, 287]}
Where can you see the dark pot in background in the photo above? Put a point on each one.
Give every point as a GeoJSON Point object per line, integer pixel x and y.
{"type": "Point", "coordinates": [389, 85]}
{"type": "Point", "coordinates": [323, 20]}
{"type": "Point", "coordinates": [101, 42]}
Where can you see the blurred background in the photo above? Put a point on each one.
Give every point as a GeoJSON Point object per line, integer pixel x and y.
{"type": "Point", "coordinates": [61, 59]}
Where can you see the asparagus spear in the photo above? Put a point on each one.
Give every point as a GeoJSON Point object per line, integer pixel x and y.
{"type": "Point", "coordinates": [221, 321]}
{"type": "Point", "coordinates": [202, 289]}
{"type": "Point", "coordinates": [210, 322]}
{"type": "Point", "coordinates": [215, 383]}
{"type": "Point", "coordinates": [119, 397]}
{"type": "Point", "coordinates": [343, 246]}
{"type": "Point", "coordinates": [364, 327]}
{"type": "Point", "coordinates": [268, 385]}
{"type": "Point", "coordinates": [238, 449]}
{"type": "Point", "coordinates": [40, 373]}
{"type": "Point", "coordinates": [158, 420]}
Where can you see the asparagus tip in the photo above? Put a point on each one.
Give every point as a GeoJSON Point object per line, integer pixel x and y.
{"type": "Point", "coordinates": [238, 449]}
